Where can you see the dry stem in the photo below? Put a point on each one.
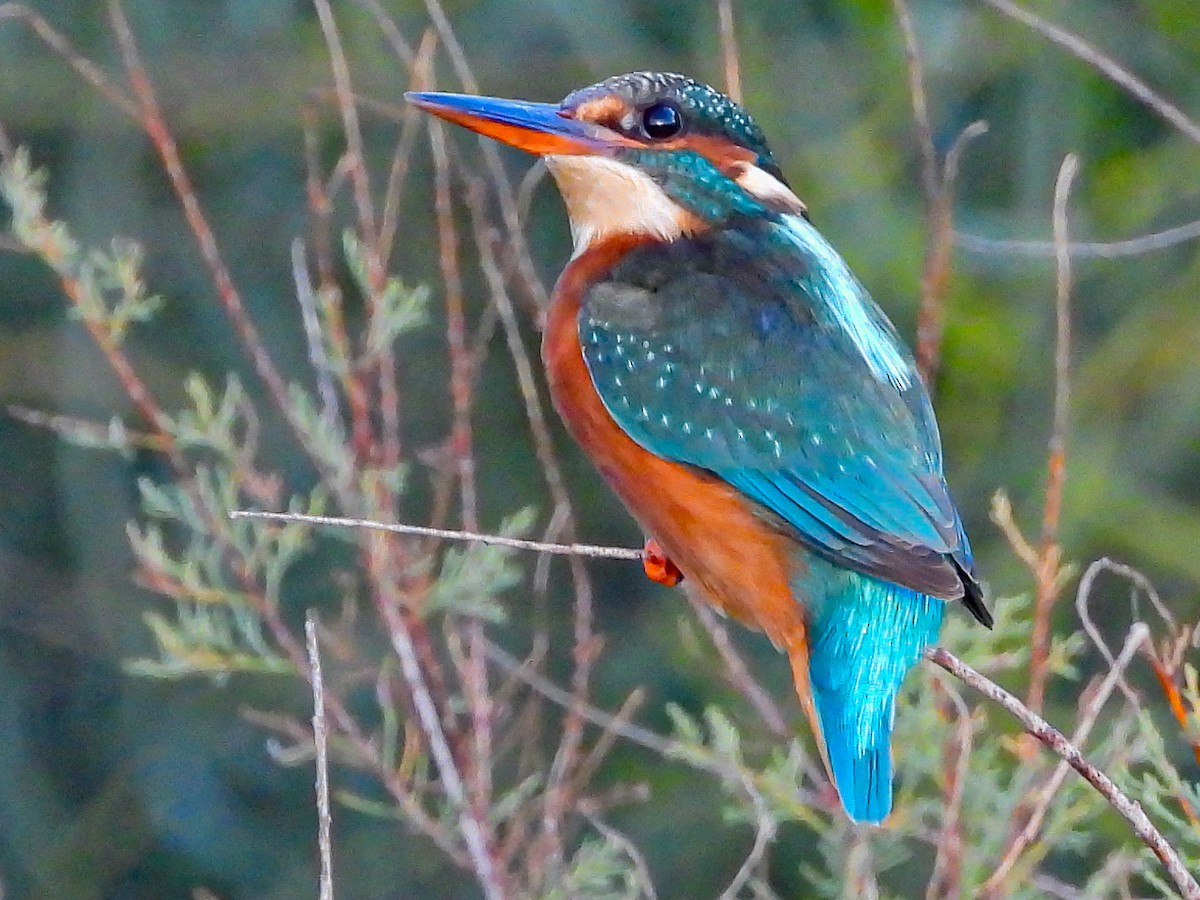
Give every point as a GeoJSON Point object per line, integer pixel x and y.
{"type": "Point", "coordinates": [321, 743]}
{"type": "Point", "coordinates": [1048, 581]}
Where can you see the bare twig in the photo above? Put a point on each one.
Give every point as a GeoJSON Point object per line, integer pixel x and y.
{"type": "Point", "coordinates": [505, 195]}
{"type": "Point", "coordinates": [391, 32]}
{"type": "Point", "coordinates": [84, 67]}
{"type": "Point", "coordinates": [1083, 608]}
{"type": "Point", "coordinates": [1106, 65]}
{"type": "Point", "coordinates": [1087, 720]}
{"type": "Point", "coordinates": [735, 667]}
{"type": "Point", "coordinates": [1049, 552]}
{"type": "Point", "coordinates": [469, 825]}
{"type": "Point", "coordinates": [410, 127]}
{"type": "Point", "coordinates": [729, 50]}
{"type": "Point", "coordinates": [317, 356]}
{"type": "Point", "coordinates": [456, 329]}
{"type": "Point", "coordinates": [1055, 741]}
{"type": "Point", "coordinates": [383, 363]}
{"type": "Point", "coordinates": [946, 878]}
{"type": "Point", "coordinates": [936, 271]}
{"type": "Point", "coordinates": [591, 550]}
{"type": "Point", "coordinates": [764, 833]}
{"type": "Point", "coordinates": [938, 189]}
{"type": "Point", "coordinates": [1137, 246]}
{"type": "Point", "coordinates": [321, 742]}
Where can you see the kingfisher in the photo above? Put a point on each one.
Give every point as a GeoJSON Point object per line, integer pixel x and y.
{"type": "Point", "coordinates": [744, 396]}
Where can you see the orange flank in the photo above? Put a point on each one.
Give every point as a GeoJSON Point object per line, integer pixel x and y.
{"type": "Point", "coordinates": [724, 550]}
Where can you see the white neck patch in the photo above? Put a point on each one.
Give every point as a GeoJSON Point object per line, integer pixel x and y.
{"type": "Point", "coordinates": [605, 197]}
{"type": "Point", "coordinates": [768, 189]}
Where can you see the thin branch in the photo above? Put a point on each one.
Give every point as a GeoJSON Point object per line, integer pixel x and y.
{"type": "Point", "coordinates": [1106, 65]}
{"type": "Point", "coordinates": [1137, 636]}
{"type": "Point", "coordinates": [636, 734]}
{"type": "Point", "coordinates": [946, 878]}
{"type": "Point", "coordinates": [150, 116]}
{"type": "Point", "coordinates": [729, 50]}
{"type": "Point", "coordinates": [590, 550]}
{"type": "Point", "coordinates": [391, 32]}
{"type": "Point", "coordinates": [1083, 608]}
{"type": "Point", "coordinates": [456, 330]}
{"type": "Point", "coordinates": [321, 742]}
{"type": "Point", "coordinates": [1049, 552]}
{"type": "Point", "coordinates": [84, 67]}
{"type": "Point", "coordinates": [410, 127]}
{"type": "Point", "coordinates": [505, 195]}
{"type": "Point", "coordinates": [641, 871]}
{"type": "Point", "coordinates": [765, 828]}
{"type": "Point", "coordinates": [1055, 741]}
{"type": "Point", "coordinates": [735, 667]}
{"type": "Point", "coordinates": [317, 357]}
{"type": "Point", "coordinates": [920, 104]}
{"type": "Point", "coordinates": [937, 183]}
{"type": "Point", "coordinates": [469, 825]}
{"type": "Point", "coordinates": [1136, 246]}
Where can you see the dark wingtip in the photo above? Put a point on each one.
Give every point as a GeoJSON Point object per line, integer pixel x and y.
{"type": "Point", "coordinates": [973, 597]}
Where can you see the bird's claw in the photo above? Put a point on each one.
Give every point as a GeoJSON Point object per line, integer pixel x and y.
{"type": "Point", "coordinates": [658, 565]}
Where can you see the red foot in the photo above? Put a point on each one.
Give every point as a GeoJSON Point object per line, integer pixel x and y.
{"type": "Point", "coordinates": [658, 566]}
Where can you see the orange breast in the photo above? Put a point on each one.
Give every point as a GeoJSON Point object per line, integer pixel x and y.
{"type": "Point", "coordinates": [737, 562]}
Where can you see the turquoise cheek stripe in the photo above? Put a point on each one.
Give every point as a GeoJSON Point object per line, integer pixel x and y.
{"type": "Point", "coordinates": [865, 635]}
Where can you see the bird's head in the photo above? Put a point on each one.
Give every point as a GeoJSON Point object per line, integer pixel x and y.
{"type": "Point", "coordinates": [644, 153]}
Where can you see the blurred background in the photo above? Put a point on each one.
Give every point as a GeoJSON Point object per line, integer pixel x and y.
{"type": "Point", "coordinates": [116, 786]}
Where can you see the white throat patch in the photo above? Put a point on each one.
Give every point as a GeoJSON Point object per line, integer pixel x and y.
{"type": "Point", "coordinates": [606, 198]}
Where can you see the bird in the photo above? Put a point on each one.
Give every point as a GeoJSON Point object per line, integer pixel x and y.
{"type": "Point", "coordinates": [746, 399]}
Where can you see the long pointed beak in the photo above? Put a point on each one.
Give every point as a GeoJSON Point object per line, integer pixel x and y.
{"type": "Point", "coordinates": [540, 128]}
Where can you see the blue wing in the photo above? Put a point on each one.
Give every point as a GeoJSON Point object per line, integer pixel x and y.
{"type": "Point", "coordinates": [753, 352]}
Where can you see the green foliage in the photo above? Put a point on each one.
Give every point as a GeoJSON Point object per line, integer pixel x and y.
{"type": "Point", "coordinates": [601, 869]}
{"type": "Point", "coordinates": [105, 286]}
{"type": "Point", "coordinates": [472, 578]}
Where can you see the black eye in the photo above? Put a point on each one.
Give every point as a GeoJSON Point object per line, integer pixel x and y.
{"type": "Point", "coordinates": [662, 120]}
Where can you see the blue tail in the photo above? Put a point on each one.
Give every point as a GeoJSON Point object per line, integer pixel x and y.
{"type": "Point", "coordinates": [864, 636]}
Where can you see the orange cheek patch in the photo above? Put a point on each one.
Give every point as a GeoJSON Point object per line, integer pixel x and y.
{"type": "Point", "coordinates": [721, 152]}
